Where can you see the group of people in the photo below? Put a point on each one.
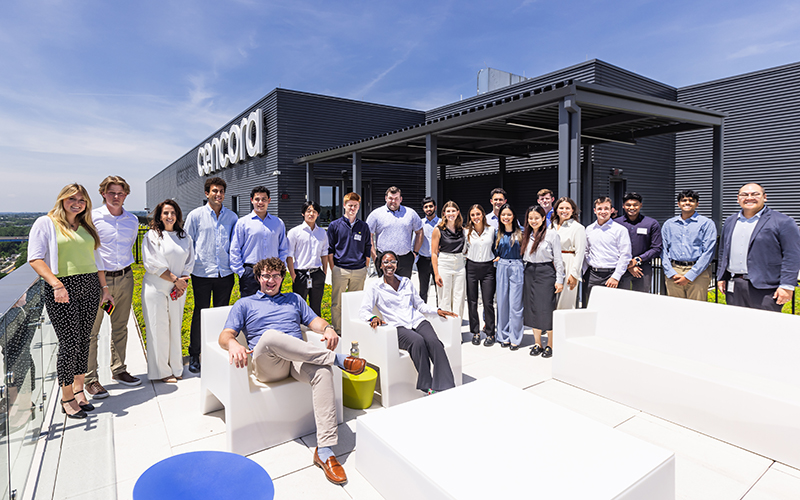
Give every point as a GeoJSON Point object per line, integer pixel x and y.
{"type": "Point", "coordinates": [523, 271]}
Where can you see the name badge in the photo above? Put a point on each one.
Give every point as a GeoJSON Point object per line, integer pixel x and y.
{"type": "Point", "coordinates": [357, 237]}
{"type": "Point", "coordinates": [641, 230]}
{"type": "Point", "coordinates": [730, 286]}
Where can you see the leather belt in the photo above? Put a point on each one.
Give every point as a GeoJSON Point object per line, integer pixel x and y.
{"type": "Point", "coordinates": [742, 276]}
{"type": "Point", "coordinates": [603, 269]}
{"type": "Point", "coordinates": [682, 263]}
{"type": "Point", "coordinates": [568, 251]}
{"type": "Point", "coordinates": [114, 274]}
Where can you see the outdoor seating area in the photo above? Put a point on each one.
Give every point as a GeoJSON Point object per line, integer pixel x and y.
{"type": "Point", "coordinates": [144, 425]}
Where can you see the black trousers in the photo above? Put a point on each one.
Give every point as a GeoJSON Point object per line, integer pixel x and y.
{"type": "Point", "coordinates": [594, 277]}
{"type": "Point", "coordinates": [300, 287]}
{"type": "Point", "coordinates": [248, 284]}
{"type": "Point", "coordinates": [744, 294]}
{"type": "Point", "coordinates": [480, 275]}
{"type": "Point", "coordinates": [405, 264]}
{"type": "Point", "coordinates": [425, 347]}
{"type": "Point", "coordinates": [203, 288]}
{"type": "Point", "coordinates": [629, 282]}
{"type": "Point", "coordinates": [425, 272]}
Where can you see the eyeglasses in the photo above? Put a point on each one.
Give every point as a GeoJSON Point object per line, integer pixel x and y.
{"type": "Point", "coordinates": [389, 262]}
{"type": "Point", "coordinates": [271, 277]}
{"type": "Point", "coordinates": [750, 195]}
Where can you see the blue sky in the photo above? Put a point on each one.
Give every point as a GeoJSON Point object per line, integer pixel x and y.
{"type": "Point", "coordinates": [92, 88]}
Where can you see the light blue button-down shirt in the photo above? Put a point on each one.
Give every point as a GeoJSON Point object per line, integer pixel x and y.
{"type": "Point", "coordinates": [690, 240]}
{"type": "Point", "coordinates": [740, 242]}
{"type": "Point", "coordinates": [212, 240]}
{"type": "Point", "coordinates": [394, 230]}
{"type": "Point", "coordinates": [427, 232]}
{"type": "Point", "coordinates": [255, 239]}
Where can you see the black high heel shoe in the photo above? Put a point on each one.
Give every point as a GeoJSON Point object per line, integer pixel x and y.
{"type": "Point", "coordinates": [80, 414]}
{"type": "Point", "coordinates": [85, 407]}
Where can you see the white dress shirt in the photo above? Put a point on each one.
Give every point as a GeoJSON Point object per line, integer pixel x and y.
{"type": "Point", "coordinates": [403, 307]}
{"type": "Point", "coordinates": [492, 220]}
{"type": "Point", "coordinates": [549, 250]}
{"type": "Point", "coordinates": [427, 232]}
{"type": "Point", "coordinates": [573, 239]}
{"type": "Point", "coordinates": [480, 246]}
{"type": "Point", "coordinates": [117, 237]}
{"type": "Point", "coordinates": [212, 240]}
{"type": "Point", "coordinates": [307, 246]}
{"type": "Point", "coordinates": [608, 246]}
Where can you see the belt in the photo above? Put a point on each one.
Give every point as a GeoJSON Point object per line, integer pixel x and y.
{"type": "Point", "coordinates": [309, 270]}
{"type": "Point", "coordinates": [568, 251]}
{"type": "Point", "coordinates": [114, 274]}
{"type": "Point", "coordinates": [682, 263]}
{"type": "Point", "coordinates": [742, 276]}
{"type": "Point", "coordinates": [603, 269]}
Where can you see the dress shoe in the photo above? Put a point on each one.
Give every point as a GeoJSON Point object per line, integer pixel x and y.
{"type": "Point", "coordinates": [334, 472]}
{"type": "Point", "coordinates": [536, 350]}
{"type": "Point", "coordinates": [354, 366]}
{"type": "Point", "coordinates": [489, 342]}
{"type": "Point", "coordinates": [126, 378]}
{"type": "Point", "coordinates": [194, 364]}
{"type": "Point", "coordinates": [476, 339]}
{"type": "Point", "coordinates": [548, 352]}
{"type": "Point", "coordinates": [84, 406]}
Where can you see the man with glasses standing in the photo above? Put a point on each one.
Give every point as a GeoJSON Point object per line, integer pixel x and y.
{"type": "Point", "coordinates": [759, 255]}
{"type": "Point", "coordinates": [211, 227]}
{"type": "Point", "coordinates": [117, 229]}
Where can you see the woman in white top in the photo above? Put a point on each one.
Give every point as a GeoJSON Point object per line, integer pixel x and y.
{"type": "Point", "coordinates": [573, 248]}
{"type": "Point", "coordinates": [544, 277]}
{"type": "Point", "coordinates": [168, 256]}
{"type": "Point", "coordinates": [480, 272]}
{"type": "Point", "coordinates": [447, 259]}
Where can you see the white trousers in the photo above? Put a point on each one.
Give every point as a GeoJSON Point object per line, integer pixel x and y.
{"type": "Point", "coordinates": [454, 277]}
{"type": "Point", "coordinates": [162, 318]}
{"type": "Point", "coordinates": [568, 298]}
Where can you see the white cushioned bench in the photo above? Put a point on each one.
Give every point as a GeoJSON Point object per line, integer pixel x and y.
{"type": "Point", "coordinates": [257, 415]}
{"type": "Point", "coordinates": [728, 372]}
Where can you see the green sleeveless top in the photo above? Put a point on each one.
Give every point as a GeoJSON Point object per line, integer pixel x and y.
{"type": "Point", "coordinates": [75, 255]}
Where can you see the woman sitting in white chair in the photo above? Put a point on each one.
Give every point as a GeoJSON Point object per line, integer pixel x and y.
{"type": "Point", "coordinates": [401, 307]}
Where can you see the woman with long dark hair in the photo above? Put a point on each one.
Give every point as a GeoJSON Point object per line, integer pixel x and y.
{"type": "Point", "coordinates": [510, 272]}
{"type": "Point", "coordinates": [447, 259]}
{"type": "Point", "coordinates": [62, 249]}
{"type": "Point", "coordinates": [480, 272]}
{"type": "Point", "coordinates": [544, 277]}
{"type": "Point", "coordinates": [168, 257]}
{"type": "Point", "coordinates": [573, 248]}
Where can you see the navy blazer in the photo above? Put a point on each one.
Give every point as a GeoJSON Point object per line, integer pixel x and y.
{"type": "Point", "coordinates": [773, 257]}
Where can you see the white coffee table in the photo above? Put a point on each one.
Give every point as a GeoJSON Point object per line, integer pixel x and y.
{"type": "Point", "coordinates": [490, 440]}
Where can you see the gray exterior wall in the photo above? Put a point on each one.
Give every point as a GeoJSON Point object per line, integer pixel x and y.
{"type": "Point", "coordinates": [762, 138]}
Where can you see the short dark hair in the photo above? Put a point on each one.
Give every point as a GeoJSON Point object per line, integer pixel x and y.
{"type": "Point", "coordinates": [498, 191]}
{"type": "Point", "coordinates": [259, 189]}
{"type": "Point", "coordinates": [393, 190]}
{"type": "Point", "coordinates": [215, 181]}
{"type": "Point", "coordinates": [689, 193]}
{"type": "Point", "coordinates": [310, 204]}
{"type": "Point", "coordinates": [427, 200]}
{"type": "Point", "coordinates": [603, 199]}
{"type": "Point", "coordinates": [270, 264]}
{"type": "Point", "coordinates": [632, 196]}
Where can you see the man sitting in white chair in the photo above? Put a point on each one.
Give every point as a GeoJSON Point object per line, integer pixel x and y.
{"type": "Point", "coordinates": [271, 322]}
{"type": "Point", "coordinates": [401, 307]}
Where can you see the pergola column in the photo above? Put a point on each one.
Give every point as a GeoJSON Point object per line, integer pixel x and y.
{"type": "Point", "coordinates": [310, 181]}
{"type": "Point", "coordinates": [501, 172]}
{"type": "Point", "coordinates": [718, 147]}
{"type": "Point", "coordinates": [357, 178]}
{"type": "Point", "coordinates": [431, 166]}
{"type": "Point", "coordinates": [569, 148]}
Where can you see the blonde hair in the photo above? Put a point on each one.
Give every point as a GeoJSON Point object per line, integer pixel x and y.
{"type": "Point", "coordinates": [59, 216]}
{"type": "Point", "coordinates": [114, 179]}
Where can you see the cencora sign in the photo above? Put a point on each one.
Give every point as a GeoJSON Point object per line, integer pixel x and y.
{"type": "Point", "coordinates": [243, 140]}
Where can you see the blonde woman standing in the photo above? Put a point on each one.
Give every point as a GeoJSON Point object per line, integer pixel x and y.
{"type": "Point", "coordinates": [447, 259]}
{"type": "Point", "coordinates": [573, 248]}
{"type": "Point", "coordinates": [168, 257]}
{"type": "Point", "coordinates": [62, 249]}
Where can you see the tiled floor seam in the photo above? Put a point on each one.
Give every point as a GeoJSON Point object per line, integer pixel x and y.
{"type": "Point", "coordinates": [757, 480]}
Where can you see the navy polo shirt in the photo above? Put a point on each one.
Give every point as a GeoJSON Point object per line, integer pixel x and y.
{"type": "Point", "coordinates": [349, 244]}
{"type": "Point", "coordinates": [283, 312]}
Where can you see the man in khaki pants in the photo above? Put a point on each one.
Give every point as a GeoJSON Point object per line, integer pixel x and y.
{"type": "Point", "coordinates": [117, 229]}
{"type": "Point", "coordinates": [688, 246]}
{"type": "Point", "coordinates": [349, 247]}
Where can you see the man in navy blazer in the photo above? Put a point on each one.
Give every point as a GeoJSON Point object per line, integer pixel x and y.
{"type": "Point", "coordinates": [759, 255]}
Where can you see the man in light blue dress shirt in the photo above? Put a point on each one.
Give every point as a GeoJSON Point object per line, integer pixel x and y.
{"type": "Point", "coordinates": [257, 236]}
{"type": "Point", "coordinates": [688, 243]}
{"type": "Point", "coordinates": [396, 228]}
{"type": "Point", "coordinates": [211, 227]}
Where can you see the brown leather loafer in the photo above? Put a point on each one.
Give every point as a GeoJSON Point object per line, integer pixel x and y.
{"type": "Point", "coordinates": [354, 366]}
{"type": "Point", "coordinates": [333, 470]}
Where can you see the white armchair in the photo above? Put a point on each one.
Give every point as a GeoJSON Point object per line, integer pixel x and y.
{"type": "Point", "coordinates": [257, 415]}
{"type": "Point", "coordinates": [398, 377]}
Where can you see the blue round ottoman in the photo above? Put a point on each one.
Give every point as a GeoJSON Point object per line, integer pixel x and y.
{"type": "Point", "coordinates": [204, 474]}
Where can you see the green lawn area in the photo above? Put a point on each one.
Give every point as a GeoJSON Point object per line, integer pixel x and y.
{"type": "Point", "coordinates": [138, 273]}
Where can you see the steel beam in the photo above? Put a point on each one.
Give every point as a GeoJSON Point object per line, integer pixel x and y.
{"type": "Point", "coordinates": [310, 188]}
{"type": "Point", "coordinates": [717, 175]}
{"type": "Point", "coordinates": [431, 166]}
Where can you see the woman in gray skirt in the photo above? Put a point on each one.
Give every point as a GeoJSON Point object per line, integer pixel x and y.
{"type": "Point", "coordinates": [544, 277]}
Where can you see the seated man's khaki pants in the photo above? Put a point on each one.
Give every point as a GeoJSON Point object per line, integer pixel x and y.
{"type": "Point", "coordinates": [278, 355]}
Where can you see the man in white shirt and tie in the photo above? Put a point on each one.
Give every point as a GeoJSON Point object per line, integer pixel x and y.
{"type": "Point", "coordinates": [608, 250]}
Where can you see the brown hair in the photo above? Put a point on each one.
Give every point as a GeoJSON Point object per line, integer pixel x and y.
{"type": "Point", "coordinates": [543, 192]}
{"type": "Point", "coordinates": [270, 264]}
{"type": "Point", "coordinates": [158, 226]}
{"type": "Point", "coordinates": [459, 219]}
{"type": "Point", "coordinates": [603, 199]}
{"type": "Point", "coordinates": [470, 226]}
{"type": "Point", "coordinates": [555, 219]}
{"type": "Point", "coordinates": [215, 181]}
{"type": "Point", "coordinates": [114, 179]}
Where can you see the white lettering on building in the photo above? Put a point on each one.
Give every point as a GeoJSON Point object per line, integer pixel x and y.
{"type": "Point", "coordinates": [242, 140]}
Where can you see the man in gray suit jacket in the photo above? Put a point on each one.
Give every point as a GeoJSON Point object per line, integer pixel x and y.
{"type": "Point", "coordinates": [759, 255]}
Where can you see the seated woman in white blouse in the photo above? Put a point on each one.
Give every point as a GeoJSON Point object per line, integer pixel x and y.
{"type": "Point", "coordinates": [168, 257]}
{"type": "Point", "coordinates": [401, 307]}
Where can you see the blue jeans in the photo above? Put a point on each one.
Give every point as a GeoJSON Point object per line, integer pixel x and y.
{"type": "Point", "coordinates": [510, 277]}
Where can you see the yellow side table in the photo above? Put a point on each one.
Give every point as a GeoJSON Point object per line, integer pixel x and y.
{"type": "Point", "coordinates": [357, 390]}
